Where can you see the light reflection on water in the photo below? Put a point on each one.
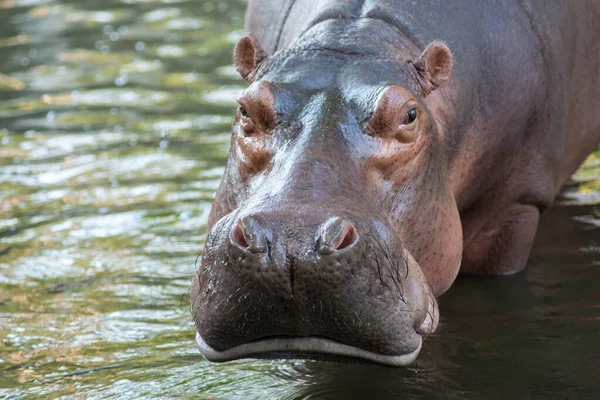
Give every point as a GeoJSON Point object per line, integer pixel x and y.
{"type": "Point", "coordinates": [114, 120]}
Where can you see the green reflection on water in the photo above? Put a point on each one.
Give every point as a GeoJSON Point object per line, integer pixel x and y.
{"type": "Point", "coordinates": [114, 132]}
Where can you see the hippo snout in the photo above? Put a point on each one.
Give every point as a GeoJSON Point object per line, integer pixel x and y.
{"type": "Point", "coordinates": [324, 286]}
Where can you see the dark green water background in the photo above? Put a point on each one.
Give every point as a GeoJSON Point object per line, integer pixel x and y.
{"type": "Point", "coordinates": [114, 130]}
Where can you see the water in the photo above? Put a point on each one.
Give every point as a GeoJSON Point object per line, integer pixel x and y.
{"type": "Point", "coordinates": [114, 129]}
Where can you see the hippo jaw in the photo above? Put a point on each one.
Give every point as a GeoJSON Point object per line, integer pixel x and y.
{"type": "Point", "coordinates": [319, 348]}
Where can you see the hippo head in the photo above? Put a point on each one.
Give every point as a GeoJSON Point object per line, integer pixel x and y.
{"type": "Point", "coordinates": [334, 227]}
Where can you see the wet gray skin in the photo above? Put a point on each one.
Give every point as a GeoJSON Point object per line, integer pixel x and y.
{"type": "Point", "coordinates": [115, 127]}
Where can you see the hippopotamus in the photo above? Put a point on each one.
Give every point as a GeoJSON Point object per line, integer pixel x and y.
{"type": "Point", "coordinates": [381, 148]}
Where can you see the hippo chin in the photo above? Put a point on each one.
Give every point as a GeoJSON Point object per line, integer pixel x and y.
{"type": "Point", "coordinates": [381, 147]}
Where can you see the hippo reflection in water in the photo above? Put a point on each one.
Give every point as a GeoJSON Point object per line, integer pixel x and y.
{"type": "Point", "coordinates": [382, 147]}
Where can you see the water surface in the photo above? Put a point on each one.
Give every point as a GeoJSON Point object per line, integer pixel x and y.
{"type": "Point", "coordinates": [114, 130]}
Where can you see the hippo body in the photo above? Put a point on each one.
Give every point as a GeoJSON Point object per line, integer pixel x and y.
{"type": "Point", "coordinates": [382, 147]}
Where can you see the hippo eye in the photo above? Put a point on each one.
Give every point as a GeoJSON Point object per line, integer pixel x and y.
{"type": "Point", "coordinates": [246, 122]}
{"type": "Point", "coordinates": [411, 115]}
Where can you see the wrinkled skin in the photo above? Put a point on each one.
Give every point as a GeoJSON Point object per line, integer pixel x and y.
{"type": "Point", "coordinates": [368, 160]}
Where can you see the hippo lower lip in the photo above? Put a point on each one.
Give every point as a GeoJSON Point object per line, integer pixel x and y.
{"type": "Point", "coordinates": [303, 345]}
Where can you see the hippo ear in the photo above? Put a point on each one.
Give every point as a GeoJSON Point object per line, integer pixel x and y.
{"type": "Point", "coordinates": [247, 56]}
{"type": "Point", "coordinates": [434, 66]}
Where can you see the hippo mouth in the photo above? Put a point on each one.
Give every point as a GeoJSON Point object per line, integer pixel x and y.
{"type": "Point", "coordinates": [318, 348]}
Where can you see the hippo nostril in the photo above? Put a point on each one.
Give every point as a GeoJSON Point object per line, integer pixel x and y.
{"type": "Point", "coordinates": [346, 237]}
{"type": "Point", "coordinates": [248, 234]}
{"type": "Point", "coordinates": [336, 234]}
{"type": "Point", "coordinates": [239, 235]}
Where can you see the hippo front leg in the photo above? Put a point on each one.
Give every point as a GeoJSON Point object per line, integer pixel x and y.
{"type": "Point", "coordinates": [502, 244]}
